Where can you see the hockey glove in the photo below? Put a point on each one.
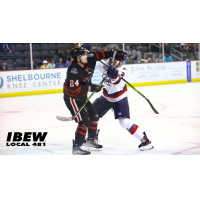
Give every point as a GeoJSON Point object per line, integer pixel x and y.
{"type": "Point", "coordinates": [94, 88]}
{"type": "Point", "coordinates": [119, 55]}
{"type": "Point", "coordinates": [112, 72]}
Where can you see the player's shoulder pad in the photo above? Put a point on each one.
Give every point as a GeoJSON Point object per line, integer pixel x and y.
{"type": "Point", "coordinates": [74, 70]}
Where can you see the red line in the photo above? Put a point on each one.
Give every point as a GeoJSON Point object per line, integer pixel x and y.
{"type": "Point", "coordinates": [185, 150]}
{"type": "Point", "coordinates": [191, 143]}
{"type": "Point", "coordinates": [164, 107]}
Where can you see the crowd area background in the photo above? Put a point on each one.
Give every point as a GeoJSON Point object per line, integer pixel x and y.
{"type": "Point", "coordinates": [16, 56]}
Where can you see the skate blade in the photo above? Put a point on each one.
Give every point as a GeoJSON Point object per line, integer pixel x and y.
{"type": "Point", "coordinates": [93, 149]}
{"type": "Point", "coordinates": [147, 147]}
{"type": "Point", "coordinates": [78, 154]}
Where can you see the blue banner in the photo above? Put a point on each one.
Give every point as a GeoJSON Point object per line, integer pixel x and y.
{"type": "Point", "coordinates": [188, 71]}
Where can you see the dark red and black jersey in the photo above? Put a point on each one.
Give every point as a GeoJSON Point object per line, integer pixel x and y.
{"type": "Point", "coordinates": [78, 78]}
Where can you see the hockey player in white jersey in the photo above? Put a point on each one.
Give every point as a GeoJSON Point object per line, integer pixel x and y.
{"type": "Point", "coordinates": [115, 96]}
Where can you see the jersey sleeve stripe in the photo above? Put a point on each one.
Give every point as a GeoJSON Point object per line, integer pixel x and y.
{"type": "Point", "coordinates": [115, 83]}
{"type": "Point", "coordinates": [115, 80]}
{"type": "Point", "coordinates": [114, 96]}
{"type": "Point", "coordinates": [96, 54]}
{"type": "Point", "coordinates": [103, 54]}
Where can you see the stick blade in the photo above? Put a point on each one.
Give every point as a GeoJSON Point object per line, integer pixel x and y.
{"type": "Point", "coordinates": [152, 106]}
{"type": "Point", "coordinates": [64, 118]}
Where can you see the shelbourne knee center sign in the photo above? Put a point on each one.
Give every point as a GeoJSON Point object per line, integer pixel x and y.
{"type": "Point", "coordinates": [32, 80]}
{"type": "Point", "coordinates": [26, 82]}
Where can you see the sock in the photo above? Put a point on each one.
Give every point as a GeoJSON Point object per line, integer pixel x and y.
{"type": "Point", "coordinates": [129, 125]}
{"type": "Point", "coordinates": [80, 135]}
{"type": "Point", "coordinates": [92, 129]}
{"type": "Point", "coordinates": [136, 131]}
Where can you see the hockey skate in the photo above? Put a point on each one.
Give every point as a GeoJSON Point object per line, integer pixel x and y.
{"type": "Point", "coordinates": [93, 143]}
{"type": "Point", "coordinates": [146, 143]}
{"type": "Point", "coordinates": [77, 150]}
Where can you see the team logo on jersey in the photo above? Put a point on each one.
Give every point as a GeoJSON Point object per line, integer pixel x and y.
{"type": "Point", "coordinates": [74, 71]}
{"type": "Point", "coordinates": [1, 82]}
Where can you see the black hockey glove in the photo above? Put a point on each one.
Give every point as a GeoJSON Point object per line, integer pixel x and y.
{"type": "Point", "coordinates": [112, 72]}
{"type": "Point", "coordinates": [94, 88]}
{"type": "Point", "coordinates": [119, 55]}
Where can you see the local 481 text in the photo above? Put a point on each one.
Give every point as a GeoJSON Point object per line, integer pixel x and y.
{"type": "Point", "coordinates": [26, 139]}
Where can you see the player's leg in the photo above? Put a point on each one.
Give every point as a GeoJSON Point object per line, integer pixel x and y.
{"type": "Point", "coordinates": [122, 113]}
{"type": "Point", "coordinates": [83, 123]}
{"type": "Point", "coordinates": [96, 110]}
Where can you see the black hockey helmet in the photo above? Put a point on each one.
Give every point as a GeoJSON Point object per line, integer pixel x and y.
{"type": "Point", "coordinates": [77, 52]}
{"type": "Point", "coordinates": [120, 55]}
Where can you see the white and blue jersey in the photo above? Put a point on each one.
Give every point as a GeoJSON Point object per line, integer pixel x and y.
{"type": "Point", "coordinates": [114, 89]}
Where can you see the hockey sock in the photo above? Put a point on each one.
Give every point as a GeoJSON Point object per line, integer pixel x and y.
{"type": "Point", "coordinates": [136, 131]}
{"type": "Point", "coordinates": [80, 135]}
{"type": "Point", "coordinates": [92, 129]}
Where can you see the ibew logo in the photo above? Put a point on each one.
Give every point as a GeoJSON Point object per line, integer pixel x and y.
{"type": "Point", "coordinates": [19, 139]}
{"type": "Point", "coordinates": [1, 82]}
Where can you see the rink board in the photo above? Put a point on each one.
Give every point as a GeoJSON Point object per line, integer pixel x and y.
{"type": "Point", "coordinates": [45, 81]}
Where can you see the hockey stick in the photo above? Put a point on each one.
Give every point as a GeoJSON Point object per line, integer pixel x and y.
{"type": "Point", "coordinates": [74, 116]}
{"type": "Point", "coordinates": [136, 91]}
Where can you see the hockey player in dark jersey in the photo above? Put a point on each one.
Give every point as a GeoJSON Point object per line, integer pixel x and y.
{"type": "Point", "coordinates": [76, 86]}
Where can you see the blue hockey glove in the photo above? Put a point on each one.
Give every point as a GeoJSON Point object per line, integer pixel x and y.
{"type": "Point", "coordinates": [112, 72]}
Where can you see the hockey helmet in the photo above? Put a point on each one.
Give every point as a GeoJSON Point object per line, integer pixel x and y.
{"type": "Point", "coordinates": [77, 52]}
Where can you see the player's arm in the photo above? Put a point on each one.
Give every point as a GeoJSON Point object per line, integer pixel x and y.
{"type": "Point", "coordinates": [99, 66]}
{"type": "Point", "coordinates": [103, 55]}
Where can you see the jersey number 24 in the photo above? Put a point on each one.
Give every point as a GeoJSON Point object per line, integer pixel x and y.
{"type": "Point", "coordinates": [72, 83]}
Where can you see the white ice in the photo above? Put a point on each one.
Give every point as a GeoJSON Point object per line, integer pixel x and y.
{"type": "Point", "coordinates": [175, 131]}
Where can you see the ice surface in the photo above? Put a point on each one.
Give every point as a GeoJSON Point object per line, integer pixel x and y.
{"type": "Point", "coordinates": [175, 131]}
